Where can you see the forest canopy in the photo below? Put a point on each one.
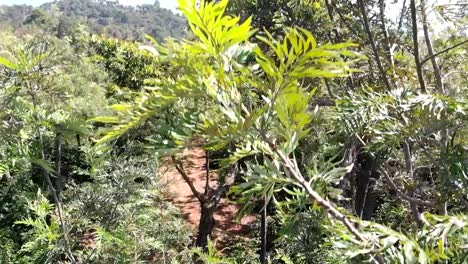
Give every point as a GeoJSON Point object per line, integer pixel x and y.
{"type": "Point", "coordinates": [100, 17]}
{"type": "Point", "coordinates": [250, 131]}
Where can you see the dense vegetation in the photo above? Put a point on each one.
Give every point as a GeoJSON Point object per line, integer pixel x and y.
{"type": "Point", "coordinates": [99, 17]}
{"type": "Point", "coordinates": [343, 130]}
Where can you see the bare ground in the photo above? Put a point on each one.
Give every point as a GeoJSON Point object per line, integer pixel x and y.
{"type": "Point", "coordinates": [182, 196]}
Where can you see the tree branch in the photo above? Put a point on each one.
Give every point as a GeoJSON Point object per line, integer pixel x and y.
{"type": "Point", "coordinates": [180, 168]}
{"type": "Point", "coordinates": [403, 195]}
{"type": "Point", "coordinates": [323, 102]}
{"type": "Point", "coordinates": [331, 209]}
{"type": "Point", "coordinates": [350, 225]}
{"type": "Point", "coordinates": [443, 51]}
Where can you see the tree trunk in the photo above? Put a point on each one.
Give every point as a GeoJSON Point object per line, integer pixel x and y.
{"type": "Point", "coordinates": [207, 223]}
{"type": "Point", "coordinates": [409, 169]}
{"type": "Point", "coordinates": [417, 59]}
{"type": "Point", "coordinates": [264, 232]}
{"type": "Point", "coordinates": [362, 185]}
{"type": "Point", "coordinates": [208, 203]}
{"type": "Point", "coordinates": [383, 75]}
{"type": "Point", "coordinates": [388, 48]}
{"type": "Point", "coordinates": [207, 169]}
{"type": "Point", "coordinates": [366, 197]}
{"type": "Point", "coordinates": [402, 15]}
{"type": "Point", "coordinates": [58, 164]}
{"type": "Point", "coordinates": [78, 140]}
{"type": "Point", "coordinates": [371, 200]}
{"type": "Point", "coordinates": [347, 184]}
{"type": "Point", "coordinates": [430, 49]}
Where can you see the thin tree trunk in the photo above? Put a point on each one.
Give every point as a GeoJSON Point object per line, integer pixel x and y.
{"type": "Point", "coordinates": [207, 221]}
{"type": "Point", "coordinates": [208, 203]}
{"type": "Point", "coordinates": [383, 75]}
{"type": "Point", "coordinates": [329, 90]}
{"type": "Point", "coordinates": [409, 169]}
{"type": "Point", "coordinates": [417, 59]}
{"type": "Point", "coordinates": [58, 163]}
{"type": "Point", "coordinates": [329, 10]}
{"type": "Point", "coordinates": [207, 168]}
{"type": "Point", "coordinates": [402, 15]}
{"type": "Point", "coordinates": [430, 49]}
{"type": "Point", "coordinates": [264, 232]}
{"type": "Point", "coordinates": [388, 47]}
{"type": "Point", "coordinates": [208, 208]}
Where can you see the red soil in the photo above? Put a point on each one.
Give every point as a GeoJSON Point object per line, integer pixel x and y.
{"type": "Point", "coordinates": [183, 197]}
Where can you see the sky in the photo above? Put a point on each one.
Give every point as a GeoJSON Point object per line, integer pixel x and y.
{"type": "Point", "coordinates": [169, 4]}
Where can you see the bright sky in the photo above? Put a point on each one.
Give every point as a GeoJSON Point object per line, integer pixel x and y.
{"type": "Point", "coordinates": [169, 4]}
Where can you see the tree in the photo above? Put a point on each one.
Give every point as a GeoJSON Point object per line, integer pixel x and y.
{"type": "Point", "coordinates": [64, 199]}
{"type": "Point", "coordinates": [31, 94]}
{"type": "Point", "coordinates": [263, 109]}
{"type": "Point", "coordinates": [102, 17]}
{"type": "Point", "coordinates": [328, 137]}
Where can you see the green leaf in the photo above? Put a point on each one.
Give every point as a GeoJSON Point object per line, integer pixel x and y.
{"type": "Point", "coordinates": [8, 64]}
{"type": "Point", "coordinates": [106, 119]}
{"type": "Point", "coordinates": [120, 107]}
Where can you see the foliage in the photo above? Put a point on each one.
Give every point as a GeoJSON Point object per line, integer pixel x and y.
{"type": "Point", "coordinates": [382, 121]}
{"type": "Point", "coordinates": [427, 246]}
{"type": "Point", "coordinates": [212, 256]}
{"type": "Point", "coordinates": [349, 158]}
{"type": "Point", "coordinates": [43, 236]}
{"type": "Point", "coordinates": [123, 215]}
{"type": "Point", "coordinates": [271, 127]}
{"type": "Point", "coordinates": [115, 209]}
{"type": "Point", "coordinates": [127, 63]}
{"type": "Point", "coordinates": [101, 17]}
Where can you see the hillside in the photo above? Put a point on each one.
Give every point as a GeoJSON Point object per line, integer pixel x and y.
{"type": "Point", "coordinates": [101, 17]}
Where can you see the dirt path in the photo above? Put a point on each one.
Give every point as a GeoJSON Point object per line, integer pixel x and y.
{"type": "Point", "coordinates": [182, 196]}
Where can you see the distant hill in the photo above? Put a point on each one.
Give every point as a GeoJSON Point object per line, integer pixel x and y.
{"type": "Point", "coordinates": [100, 16]}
